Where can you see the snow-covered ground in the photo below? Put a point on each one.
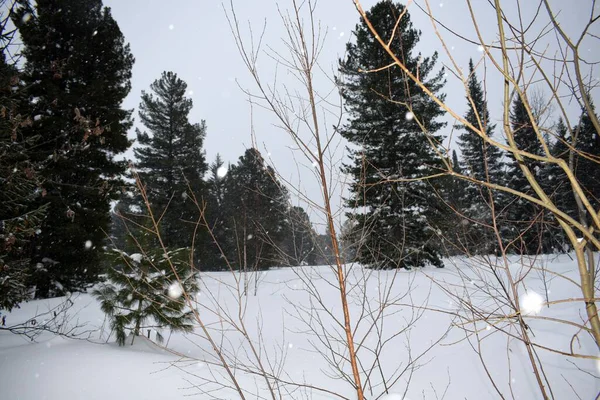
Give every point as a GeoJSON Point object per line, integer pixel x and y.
{"type": "Point", "coordinates": [423, 321]}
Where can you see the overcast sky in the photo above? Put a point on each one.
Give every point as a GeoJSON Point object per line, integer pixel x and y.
{"type": "Point", "coordinates": [192, 38]}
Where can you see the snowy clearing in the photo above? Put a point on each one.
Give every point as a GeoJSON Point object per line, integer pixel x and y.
{"type": "Point", "coordinates": [59, 368]}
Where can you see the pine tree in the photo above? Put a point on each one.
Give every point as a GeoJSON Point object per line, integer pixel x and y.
{"type": "Point", "coordinates": [256, 205]}
{"type": "Point", "coordinates": [558, 188]}
{"type": "Point", "coordinates": [216, 217]}
{"type": "Point", "coordinates": [145, 292]}
{"type": "Point", "coordinates": [171, 162]}
{"type": "Point", "coordinates": [453, 191]}
{"type": "Point", "coordinates": [20, 183]}
{"type": "Point", "coordinates": [527, 220]}
{"type": "Point", "coordinates": [77, 74]}
{"type": "Point", "coordinates": [483, 162]}
{"type": "Point", "coordinates": [216, 180]}
{"type": "Point", "coordinates": [400, 217]}
{"type": "Point", "coordinates": [299, 242]}
{"type": "Point", "coordinates": [587, 160]}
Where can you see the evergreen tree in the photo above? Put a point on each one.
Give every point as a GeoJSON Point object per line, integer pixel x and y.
{"type": "Point", "coordinates": [587, 160]}
{"type": "Point", "coordinates": [77, 74]}
{"type": "Point", "coordinates": [399, 218]}
{"type": "Point", "coordinates": [453, 191]}
{"type": "Point", "coordinates": [558, 188]}
{"type": "Point", "coordinates": [171, 161]}
{"type": "Point", "coordinates": [20, 182]}
{"type": "Point", "coordinates": [216, 216]}
{"type": "Point", "coordinates": [526, 219]}
{"type": "Point", "coordinates": [256, 205]}
{"type": "Point", "coordinates": [479, 159]}
{"type": "Point", "coordinates": [145, 292]}
{"type": "Point", "coordinates": [299, 242]}
{"type": "Point", "coordinates": [216, 180]}
{"type": "Point", "coordinates": [484, 163]}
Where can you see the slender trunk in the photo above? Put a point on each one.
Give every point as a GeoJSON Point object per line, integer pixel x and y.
{"type": "Point", "coordinates": [138, 321]}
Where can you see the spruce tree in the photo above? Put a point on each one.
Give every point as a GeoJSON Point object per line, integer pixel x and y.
{"type": "Point", "coordinates": [299, 242]}
{"type": "Point", "coordinates": [399, 218]}
{"type": "Point", "coordinates": [20, 186]}
{"type": "Point", "coordinates": [170, 160]}
{"type": "Point", "coordinates": [147, 291]}
{"type": "Point", "coordinates": [257, 205]}
{"type": "Point", "coordinates": [77, 74]}
{"type": "Point", "coordinates": [526, 220]}
{"type": "Point", "coordinates": [483, 162]}
{"type": "Point", "coordinates": [216, 217]}
{"type": "Point", "coordinates": [587, 160]}
{"type": "Point", "coordinates": [558, 188]}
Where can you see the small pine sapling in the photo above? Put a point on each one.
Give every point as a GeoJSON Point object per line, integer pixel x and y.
{"type": "Point", "coordinates": [148, 292]}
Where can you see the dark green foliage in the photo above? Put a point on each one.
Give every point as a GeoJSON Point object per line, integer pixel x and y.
{"type": "Point", "coordinates": [20, 183]}
{"type": "Point", "coordinates": [171, 163]}
{"type": "Point", "coordinates": [20, 180]}
{"type": "Point", "coordinates": [77, 74]}
{"type": "Point", "coordinates": [585, 154]}
{"type": "Point", "coordinates": [398, 225]}
{"type": "Point", "coordinates": [324, 250]}
{"type": "Point", "coordinates": [527, 222]}
{"type": "Point", "coordinates": [479, 159]}
{"type": "Point", "coordinates": [483, 162]}
{"type": "Point", "coordinates": [587, 160]}
{"type": "Point", "coordinates": [299, 242]}
{"type": "Point", "coordinates": [147, 292]}
{"type": "Point", "coordinates": [216, 215]}
{"type": "Point", "coordinates": [255, 207]}
{"type": "Point", "coordinates": [557, 186]}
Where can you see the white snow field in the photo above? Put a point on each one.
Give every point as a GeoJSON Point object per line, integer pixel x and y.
{"type": "Point", "coordinates": [291, 343]}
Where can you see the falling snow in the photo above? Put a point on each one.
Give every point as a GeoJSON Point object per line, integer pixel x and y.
{"type": "Point", "coordinates": [88, 244]}
{"type": "Point", "coordinates": [175, 290]}
{"type": "Point", "coordinates": [171, 27]}
{"type": "Point", "coordinates": [222, 171]}
{"type": "Point", "coordinates": [531, 303]}
{"type": "Point", "coordinates": [409, 116]}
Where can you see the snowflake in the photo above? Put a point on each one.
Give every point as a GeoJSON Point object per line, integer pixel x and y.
{"type": "Point", "coordinates": [531, 303]}
{"type": "Point", "coordinates": [171, 27]}
{"type": "Point", "coordinates": [221, 172]}
{"type": "Point", "coordinates": [480, 48]}
{"type": "Point", "coordinates": [88, 244]}
{"type": "Point", "coordinates": [175, 290]}
{"type": "Point", "coordinates": [409, 116]}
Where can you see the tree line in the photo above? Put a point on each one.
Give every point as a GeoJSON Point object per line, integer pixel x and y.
{"type": "Point", "coordinates": [63, 127]}
{"type": "Point", "coordinates": [406, 210]}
